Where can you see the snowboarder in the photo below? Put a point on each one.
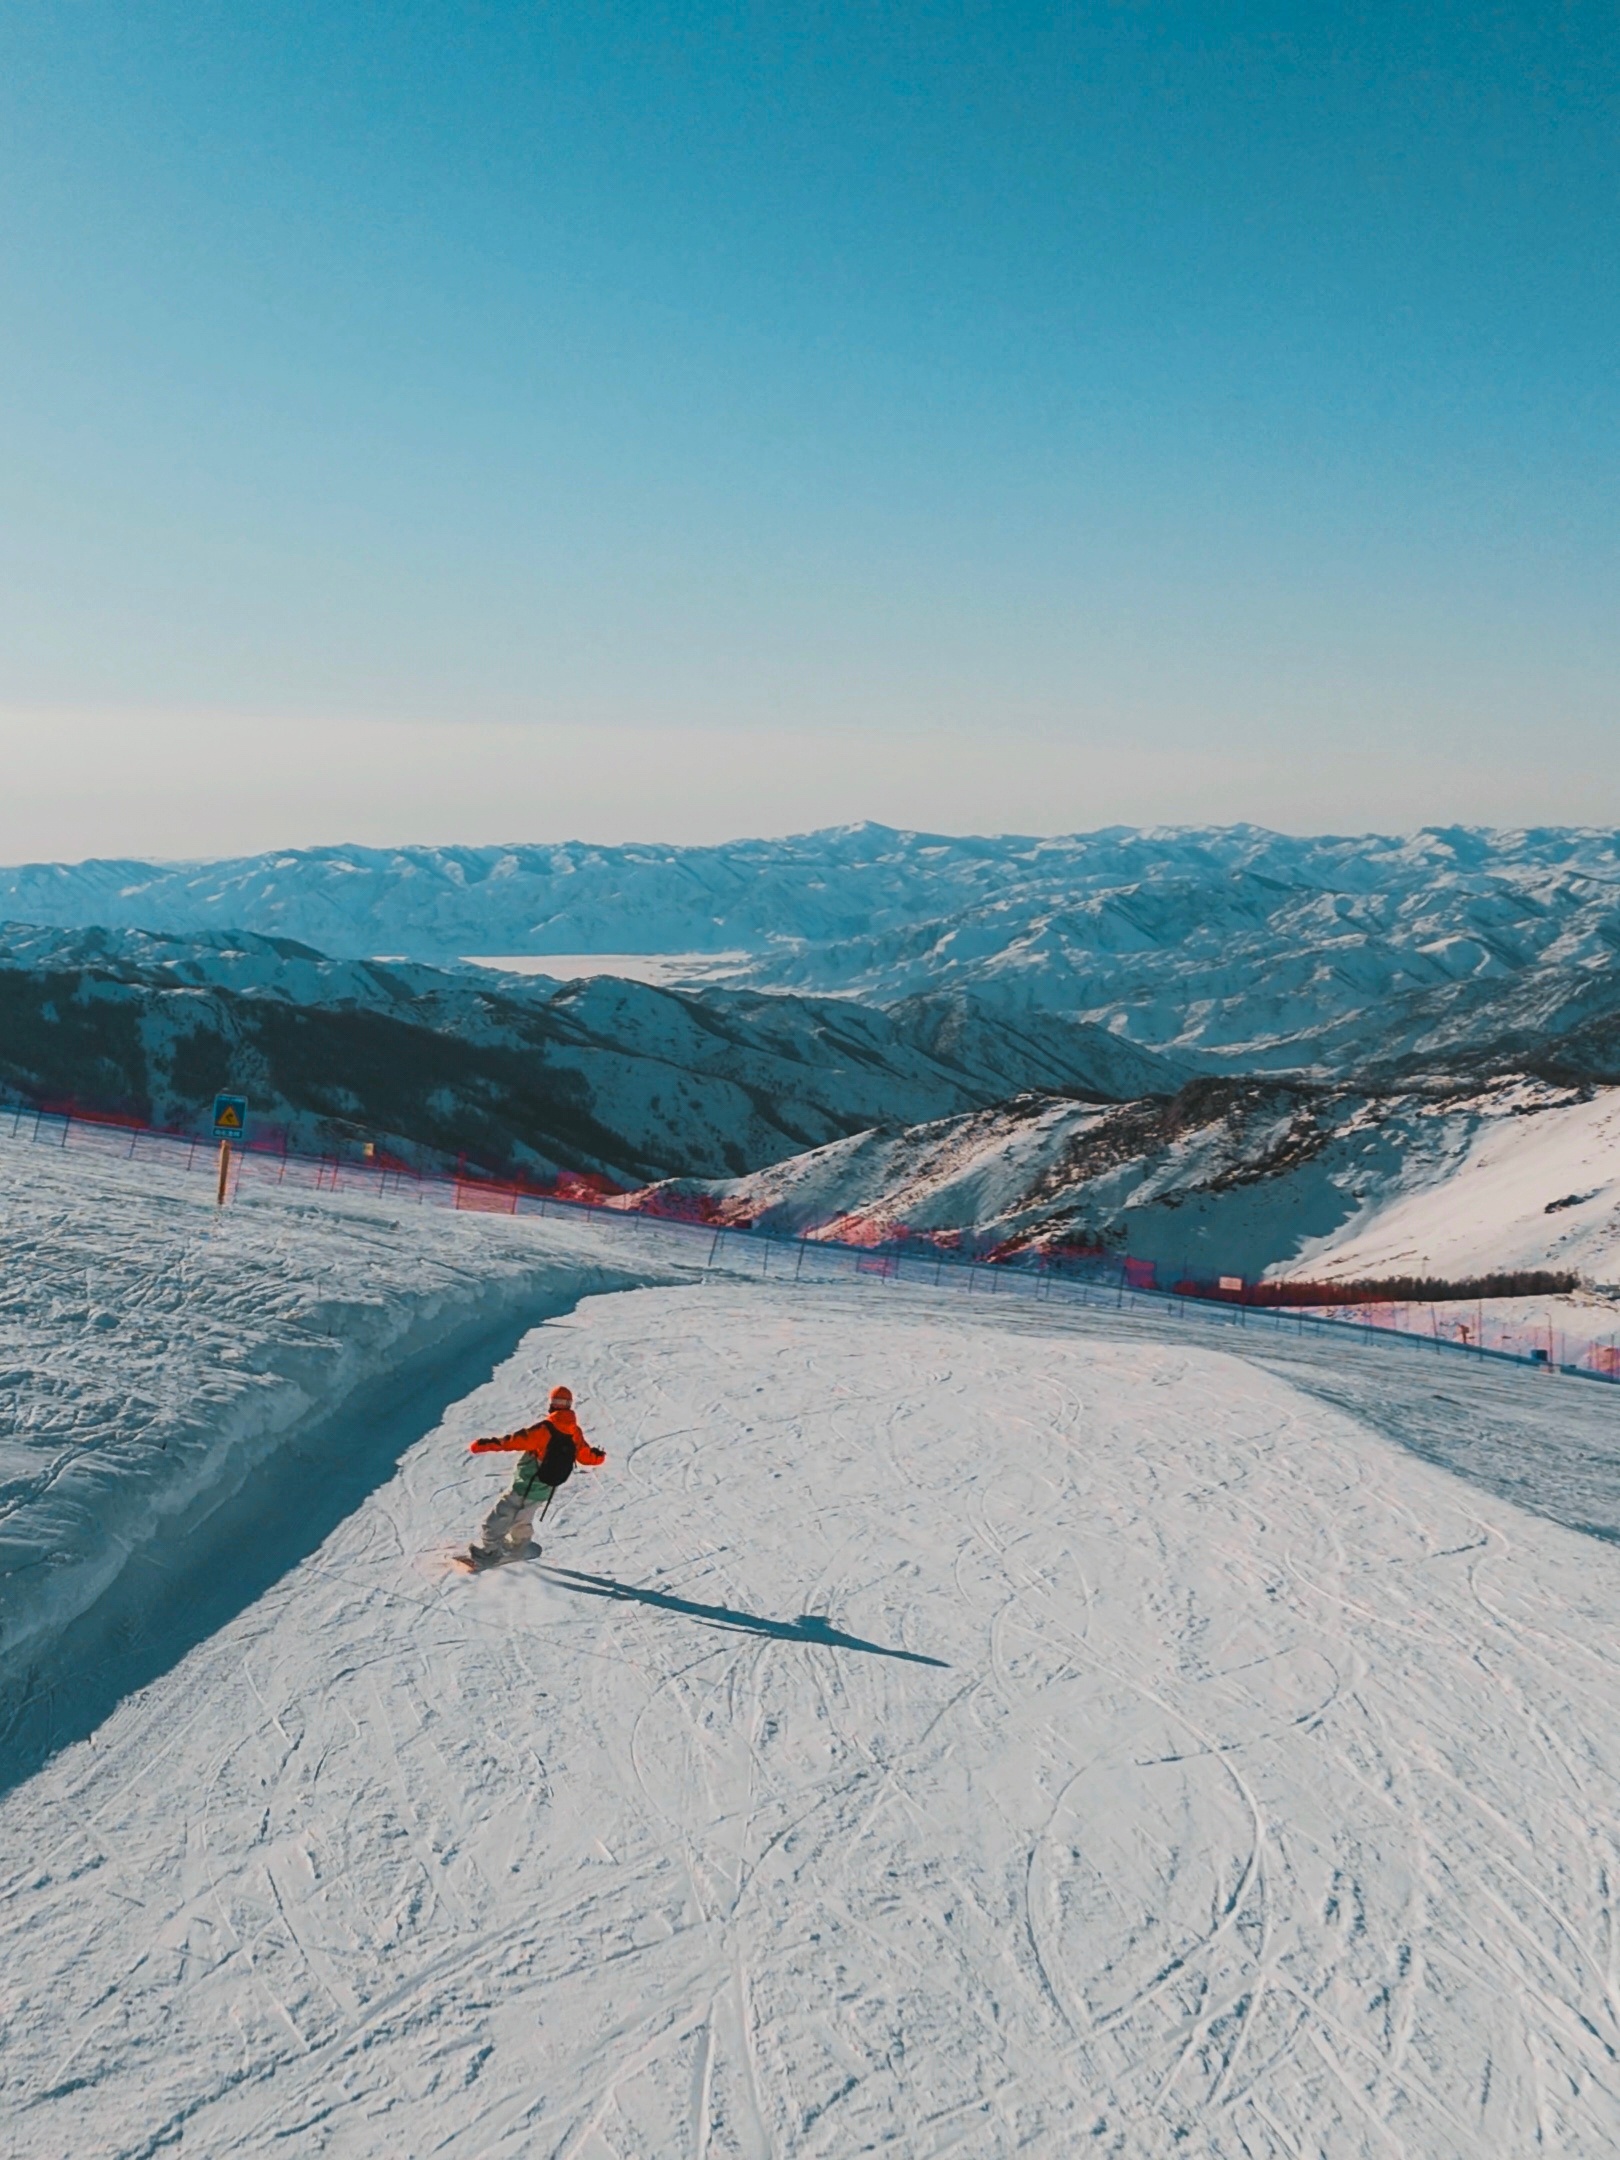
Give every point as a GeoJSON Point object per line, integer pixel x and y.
{"type": "Point", "coordinates": [548, 1450]}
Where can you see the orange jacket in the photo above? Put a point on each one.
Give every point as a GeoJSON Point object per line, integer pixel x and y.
{"type": "Point", "coordinates": [531, 1440]}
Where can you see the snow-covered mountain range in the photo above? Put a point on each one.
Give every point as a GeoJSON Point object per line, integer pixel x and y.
{"type": "Point", "coordinates": [1223, 1047]}
{"type": "Point", "coordinates": [602, 1075]}
{"type": "Point", "coordinates": [1232, 947]}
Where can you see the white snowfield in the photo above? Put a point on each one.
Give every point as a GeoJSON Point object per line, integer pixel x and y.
{"type": "Point", "coordinates": [1529, 1181]}
{"type": "Point", "coordinates": [931, 1732]}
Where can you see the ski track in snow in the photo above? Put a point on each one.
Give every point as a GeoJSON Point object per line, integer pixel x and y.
{"type": "Point", "coordinates": [1262, 1800]}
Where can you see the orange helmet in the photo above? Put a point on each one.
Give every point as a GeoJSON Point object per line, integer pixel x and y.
{"type": "Point", "coordinates": [562, 1398]}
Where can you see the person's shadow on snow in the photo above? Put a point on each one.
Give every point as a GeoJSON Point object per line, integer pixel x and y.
{"type": "Point", "coordinates": [808, 1628]}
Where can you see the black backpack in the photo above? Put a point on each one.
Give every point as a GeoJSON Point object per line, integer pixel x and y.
{"type": "Point", "coordinates": [557, 1463]}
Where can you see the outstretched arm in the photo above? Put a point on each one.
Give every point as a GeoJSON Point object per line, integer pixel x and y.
{"type": "Point", "coordinates": [514, 1443]}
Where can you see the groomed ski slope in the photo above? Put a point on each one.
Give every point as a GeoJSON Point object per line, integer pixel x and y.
{"type": "Point", "coordinates": [926, 1735]}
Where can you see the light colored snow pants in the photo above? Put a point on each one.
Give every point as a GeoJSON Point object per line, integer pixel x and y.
{"type": "Point", "coordinates": [509, 1525]}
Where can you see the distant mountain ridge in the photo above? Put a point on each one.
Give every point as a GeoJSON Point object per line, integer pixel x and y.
{"type": "Point", "coordinates": [1232, 949]}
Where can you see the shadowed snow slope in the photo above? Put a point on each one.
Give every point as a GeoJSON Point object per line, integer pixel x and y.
{"type": "Point", "coordinates": [923, 1735]}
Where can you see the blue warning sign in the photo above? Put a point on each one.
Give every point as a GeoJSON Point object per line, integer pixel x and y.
{"type": "Point", "coordinates": [230, 1117]}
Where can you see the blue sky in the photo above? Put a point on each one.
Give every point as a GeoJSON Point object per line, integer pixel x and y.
{"type": "Point", "coordinates": [669, 421]}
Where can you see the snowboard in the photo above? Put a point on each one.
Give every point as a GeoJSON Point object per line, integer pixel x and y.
{"type": "Point", "coordinates": [465, 1564]}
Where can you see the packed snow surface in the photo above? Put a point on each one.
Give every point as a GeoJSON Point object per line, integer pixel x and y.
{"type": "Point", "coordinates": [929, 1732]}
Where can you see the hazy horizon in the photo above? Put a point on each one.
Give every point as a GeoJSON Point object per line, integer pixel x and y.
{"type": "Point", "coordinates": [654, 842]}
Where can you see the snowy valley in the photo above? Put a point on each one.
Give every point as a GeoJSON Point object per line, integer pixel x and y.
{"type": "Point", "coordinates": [965, 1713]}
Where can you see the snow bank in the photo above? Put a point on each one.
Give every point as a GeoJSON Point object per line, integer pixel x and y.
{"type": "Point", "coordinates": [155, 1349]}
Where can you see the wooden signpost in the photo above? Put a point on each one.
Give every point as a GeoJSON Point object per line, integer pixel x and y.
{"type": "Point", "coordinates": [230, 1123]}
